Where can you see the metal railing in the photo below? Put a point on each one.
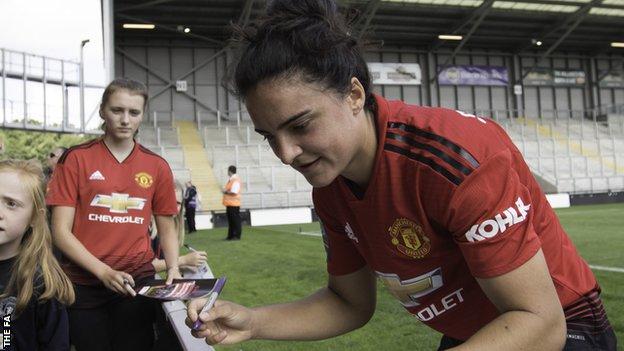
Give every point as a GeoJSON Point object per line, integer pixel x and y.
{"type": "Point", "coordinates": [590, 185]}
{"type": "Point", "coordinates": [230, 135]}
{"type": "Point", "coordinates": [162, 118]}
{"type": "Point", "coordinates": [274, 178]}
{"type": "Point", "coordinates": [251, 154]}
{"type": "Point", "coordinates": [31, 80]}
{"type": "Point", "coordinates": [221, 117]}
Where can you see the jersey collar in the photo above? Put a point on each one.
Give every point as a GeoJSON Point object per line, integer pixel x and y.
{"type": "Point", "coordinates": [127, 159]}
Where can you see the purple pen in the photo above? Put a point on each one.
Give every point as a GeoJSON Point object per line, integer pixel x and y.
{"type": "Point", "coordinates": [212, 298]}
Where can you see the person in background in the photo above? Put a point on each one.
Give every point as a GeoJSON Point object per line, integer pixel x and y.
{"type": "Point", "coordinates": [232, 202]}
{"type": "Point", "coordinates": [34, 288]}
{"type": "Point", "coordinates": [104, 193]}
{"type": "Point", "coordinates": [437, 204]}
{"type": "Point", "coordinates": [52, 160]}
{"type": "Point", "coordinates": [190, 261]}
{"type": "Point", "coordinates": [190, 205]}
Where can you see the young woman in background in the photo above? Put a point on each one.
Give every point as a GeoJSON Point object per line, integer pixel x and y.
{"type": "Point", "coordinates": [104, 193]}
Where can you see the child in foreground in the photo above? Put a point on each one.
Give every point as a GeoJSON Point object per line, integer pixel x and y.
{"type": "Point", "coordinates": [34, 287]}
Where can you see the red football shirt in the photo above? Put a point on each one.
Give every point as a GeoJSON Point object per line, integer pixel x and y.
{"type": "Point", "coordinates": [450, 199]}
{"type": "Point", "coordinates": [114, 202]}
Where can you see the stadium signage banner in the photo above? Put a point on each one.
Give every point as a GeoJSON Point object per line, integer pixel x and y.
{"type": "Point", "coordinates": [395, 73]}
{"type": "Point", "coordinates": [541, 76]}
{"type": "Point", "coordinates": [611, 79]}
{"type": "Point", "coordinates": [473, 75]}
{"type": "Point", "coordinates": [538, 76]}
{"type": "Point", "coordinates": [569, 77]}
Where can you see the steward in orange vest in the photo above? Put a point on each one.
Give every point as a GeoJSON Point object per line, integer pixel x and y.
{"type": "Point", "coordinates": [232, 192]}
{"type": "Point", "coordinates": [232, 201]}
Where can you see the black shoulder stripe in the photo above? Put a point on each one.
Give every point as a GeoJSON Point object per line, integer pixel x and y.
{"type": "Point", "coordinates": [429, 162]}
{"type": "Point", "coordinates": [435, 151]}
{"type": "Point", "coordinates": [84, 145]}
{"type": "Point", "coordinates": [442, 140]}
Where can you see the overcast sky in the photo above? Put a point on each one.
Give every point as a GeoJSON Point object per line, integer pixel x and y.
{"type": "Point", "coordinates": [55, 28]}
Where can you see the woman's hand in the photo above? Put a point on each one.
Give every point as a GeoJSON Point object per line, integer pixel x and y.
{"type": "Point", "coordinates": [225, 323]}
{"type": "Point", "coordinates": [193, 260]}
{"type": "Point", "coordinates": [173, 273]}
{"type": "Point", "coordinates": [117, 281]}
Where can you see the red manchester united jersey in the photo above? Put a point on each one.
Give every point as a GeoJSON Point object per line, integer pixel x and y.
{"type": "Point", "coordinates": [450, 199]}
{"type": "Point", "coordinates": [114, 202]}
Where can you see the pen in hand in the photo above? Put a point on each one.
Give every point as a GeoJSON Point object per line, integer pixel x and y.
{"type": "Point", "coordinates": [129, 287]}
{"type": "Point", "coordinates": [212, 298]}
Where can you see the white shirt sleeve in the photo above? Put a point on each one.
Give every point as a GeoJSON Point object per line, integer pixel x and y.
{"type": "Point", "coordinates": [235, 188]}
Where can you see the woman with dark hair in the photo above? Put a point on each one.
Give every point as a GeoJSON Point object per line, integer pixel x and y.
{"type": "Point", "coordinates": [438, 204]}
{"type": "Point", "coordinates": [103, 194]}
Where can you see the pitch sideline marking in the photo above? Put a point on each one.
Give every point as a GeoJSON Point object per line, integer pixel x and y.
{"type": "Point", "coordinates": [311, 233]}
{"type": "Point", "coordinates": [608, 269]}
{"type": "Point", "coordinates": [297, 232]}
{"type": "Point", "coordinates": [589, 210]}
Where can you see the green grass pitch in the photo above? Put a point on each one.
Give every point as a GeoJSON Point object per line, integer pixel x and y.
{"type": "Point", "coordinates": [281, 263]}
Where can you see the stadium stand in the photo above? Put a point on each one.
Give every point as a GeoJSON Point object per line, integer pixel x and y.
{"type": "Point", "coordinates": [200, 171]}
{"type": "Point", "coordinates": [568, 152]}
{"type": "Point", "coordinates": [267, 182]}
{"type": "Point", "coordinates": [574, 154]}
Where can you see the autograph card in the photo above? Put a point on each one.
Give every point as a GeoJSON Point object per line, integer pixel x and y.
{"type": "Point", "coordinates": [181, 289]}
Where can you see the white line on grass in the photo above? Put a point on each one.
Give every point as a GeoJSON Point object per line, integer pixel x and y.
{"type": "Point", "coordinates": [605, 268]}
{"type": "Point", "coordinates": [587, 211]}
{"type": "Point", "coordinates": [310, 233]}
{"type": "Point", "coordinates": [297, 232]}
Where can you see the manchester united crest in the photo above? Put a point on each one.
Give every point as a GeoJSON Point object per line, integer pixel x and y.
{"type": "Point", "coordinates": [409, 238]}
{"type": "Point", "coordinates": [143, 179]}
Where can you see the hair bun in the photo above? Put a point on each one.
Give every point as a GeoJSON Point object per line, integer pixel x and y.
{"type": "Point", "coordinates": [317, 9]}
{"type": "Point", "coordinates": [314, 26]}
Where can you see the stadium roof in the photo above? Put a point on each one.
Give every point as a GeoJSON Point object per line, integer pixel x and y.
{"type": "Point", "coordinates": [516, 26]}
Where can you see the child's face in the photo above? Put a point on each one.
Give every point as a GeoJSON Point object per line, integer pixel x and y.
{"type": "Point", "coordinates": [16, 207]}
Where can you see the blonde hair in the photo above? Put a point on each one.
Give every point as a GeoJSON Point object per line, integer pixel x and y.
{"type": "Point", "coordinates": [35, 260]}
